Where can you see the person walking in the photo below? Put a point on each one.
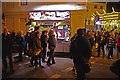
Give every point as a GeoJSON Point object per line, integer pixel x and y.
{"type": "Point", "coordinates": [80, 50]}
{"type": "Point", "coordinates": [51, 46]}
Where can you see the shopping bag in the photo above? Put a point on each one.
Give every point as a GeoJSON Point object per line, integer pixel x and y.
{"type": "Point", "coordinates": [87, 67]}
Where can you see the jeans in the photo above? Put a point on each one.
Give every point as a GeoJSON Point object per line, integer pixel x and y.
{"type": "Point", "coordinates": [51, 56]}
{"type": "Point", "coordinates": [43, 54]}
{"type": "Point", "coordinates": [110, 54]}
{"type": "Point", "coordinates": [4, 61]}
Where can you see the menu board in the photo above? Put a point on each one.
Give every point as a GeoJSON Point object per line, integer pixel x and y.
{"type": "Point", "coordinates": [49, 15]}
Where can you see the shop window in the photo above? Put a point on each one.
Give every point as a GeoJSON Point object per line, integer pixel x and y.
{"type": "Point", "coordinates": [24, 2]}
{"type": "Point", "coordinates": [95, 6]}
{"type": "Point", "coordinates": [101, 7]}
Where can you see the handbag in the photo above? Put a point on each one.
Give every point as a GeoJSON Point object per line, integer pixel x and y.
{"type": "Point", "coordinates": [37, 52]}
{"type": "Point", "coordinates": [87, 67]}
{"type": "Point", "coordinates": [30, 52]}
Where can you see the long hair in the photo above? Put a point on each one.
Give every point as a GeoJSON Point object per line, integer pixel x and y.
{"type": "Point", "coordinates": [51, 32]}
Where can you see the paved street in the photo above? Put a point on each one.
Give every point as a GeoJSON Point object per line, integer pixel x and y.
{"type": "Point", "coordinates": [63, 69]}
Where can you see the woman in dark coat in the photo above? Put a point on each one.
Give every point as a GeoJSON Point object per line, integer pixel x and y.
{"type": "Point", "coordinates": [51, 46]}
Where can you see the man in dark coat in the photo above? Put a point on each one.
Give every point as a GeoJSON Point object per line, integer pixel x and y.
{"type": "Point", "coordinates": [44, 45]}
{"type": "Point", "coordinates": [80, 50]}
{"type": "Point", "coordinates": [6, 51]}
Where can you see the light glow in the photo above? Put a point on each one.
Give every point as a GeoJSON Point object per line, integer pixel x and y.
{"type": "Point", "coordinates": [98, 22]}
{"type": "Point", "coordinates": [92, 18]}
{"type": "Point", "coordinates": [49, 15]}
{"type": "Point", "coordinates": [61, 7]}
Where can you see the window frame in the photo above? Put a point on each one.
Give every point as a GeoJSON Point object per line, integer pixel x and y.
{"type": "Point", "coordinates": [95, 6]}
{"type": "Point", "coordinates": [101, 7]}
{"type": "Point", "coordinates": [23, 3]}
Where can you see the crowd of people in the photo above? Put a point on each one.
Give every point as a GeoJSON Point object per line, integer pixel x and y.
{"type": "Point", "coordinates": [82, 48]}
{"type": "Point", "coordinates": [105, 40]}
{"type": "Point", "coordinates": [34, 44]}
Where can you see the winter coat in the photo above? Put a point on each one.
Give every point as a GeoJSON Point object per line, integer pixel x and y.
{"type": "Point", "coordinates": [6, 43]}
{"type": "Point", "coordinates": [51, 42]}
{"type": "Point", "coordinates": [43, 41]}
{"type": "Point", "coordinates": [21, 41]}
{"type": "Point", "coordinates": [36, 44]}
{"type": "Point", "coordinates": [80, 48]}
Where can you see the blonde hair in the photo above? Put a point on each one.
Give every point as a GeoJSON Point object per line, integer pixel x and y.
{"type": "Point", "coordinates": [51, 32]}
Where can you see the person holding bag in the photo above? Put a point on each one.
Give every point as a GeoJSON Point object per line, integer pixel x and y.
{"type": "Point", "coordinates": [81, 51]}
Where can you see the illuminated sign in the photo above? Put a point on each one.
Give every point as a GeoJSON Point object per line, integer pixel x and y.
{"type": "Point", "coordinates": [49, 15]}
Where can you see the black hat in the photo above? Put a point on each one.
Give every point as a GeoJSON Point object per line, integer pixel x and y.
{"type": "Point", "coordinates": [36, 28]}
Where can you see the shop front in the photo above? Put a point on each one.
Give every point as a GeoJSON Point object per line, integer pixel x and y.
{"type": "Point", "coordinates": [59, 21]}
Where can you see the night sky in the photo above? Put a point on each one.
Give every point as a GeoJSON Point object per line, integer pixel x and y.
{"type": "Point", "coordinates": [116, 6]}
